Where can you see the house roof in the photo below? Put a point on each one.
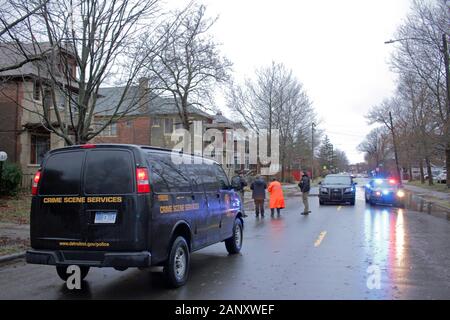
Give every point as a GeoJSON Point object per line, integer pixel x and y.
{"type": "Point", "coordinates": [220, 121]}
{"type": "Point", "coordinates": [132, 100]}
{"type": "Point", "coordinates": [11, 54]}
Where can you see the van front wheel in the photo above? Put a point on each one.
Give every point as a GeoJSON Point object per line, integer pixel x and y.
{"type": "Point", "coordinates": [62, 272]}
{"type": "Point", "coordinates": [176, 269]}
{"type": "Point", "coordinates": [234, 243]}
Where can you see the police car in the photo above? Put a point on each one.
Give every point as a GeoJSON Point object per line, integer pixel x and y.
{"type": "Point", "coordinates": [337, 188]}
{"type": "Point", "coordinates": [385, 191]}
{"type": "Point", "coordinates": [127, 206]}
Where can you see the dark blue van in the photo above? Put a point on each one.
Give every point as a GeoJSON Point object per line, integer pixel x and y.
{"type": "Point", "coordinates": [124, 206]}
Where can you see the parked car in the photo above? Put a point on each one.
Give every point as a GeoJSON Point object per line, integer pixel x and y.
{"type": "Point", "coordinates": [442, 177]}
{"type": "Point", "coordinates": [385, 191]}
{"type": "Point", "coordinates": [127, 206]}
{"type": "Point", "coordinates": [337, 188]}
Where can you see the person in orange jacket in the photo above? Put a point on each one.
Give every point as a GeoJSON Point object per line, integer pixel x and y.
{"type": "Point", "coordinates": [276, 196]}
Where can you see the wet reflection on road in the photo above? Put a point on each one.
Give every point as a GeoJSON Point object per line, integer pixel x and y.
{"type": "Point", "coordinates": [385, 241]}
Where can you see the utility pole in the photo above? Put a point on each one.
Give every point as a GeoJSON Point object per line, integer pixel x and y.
{"type": "Point", "coordinates": [447, 149]}
{"type": "Point", "coordinates": [395, 147]}
{"type": "Point", "coordinates": [313, 125]}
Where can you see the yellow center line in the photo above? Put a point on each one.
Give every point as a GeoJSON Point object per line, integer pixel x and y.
{"type": "Point", "coordinates": [319, 240]}
{"type": "Point", "coordinates": [339, 208]}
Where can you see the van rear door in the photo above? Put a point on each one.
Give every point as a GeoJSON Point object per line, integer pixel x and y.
{"type": "Point", "coordinates": [52, 220]}
{"type": "Point", "coordinates": [114, 215]}
{"type": "Point", "coordinates": [87, 200]}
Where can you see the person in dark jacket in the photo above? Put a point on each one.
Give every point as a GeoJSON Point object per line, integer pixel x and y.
{"type": "Point", "coordinates": [259, 187]}
{"type": "Point", "coordinates": [305, 186]}
{"type": "Point", "coordinates": [243, 183]}
{"type": "Point", "coordinates": [240, 183]}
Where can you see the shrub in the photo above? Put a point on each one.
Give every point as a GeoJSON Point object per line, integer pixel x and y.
{"type": "Point", "coordinates": [11, 179]}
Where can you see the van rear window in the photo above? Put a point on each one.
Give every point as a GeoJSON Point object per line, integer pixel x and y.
{"type": "Point", "coordinates": [62, 173]}
{"type": "Point", "coordinates": [108, 172]}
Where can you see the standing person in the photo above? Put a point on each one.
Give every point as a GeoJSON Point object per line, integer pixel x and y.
{"type": "Point", "coordinates": [239, 183]}
{"type": "Point", "coordinates": [276, 196]}
{"type": "Point", "coordinates": [305, 187]}
{"type": "Point", "coordinates": [259, 187]}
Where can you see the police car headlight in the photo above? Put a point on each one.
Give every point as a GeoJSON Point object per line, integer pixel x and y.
{"type": "Point", "coordinates": [348, 190]}
{"type": "Point", "coordinates": [400, 193]}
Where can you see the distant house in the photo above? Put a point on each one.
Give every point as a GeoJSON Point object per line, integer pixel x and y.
{"type": "Point", "coordinates": [22, 96]}
{"type": "Point", "coordinates": [238, 150]}
{"type": "Point", "coordinates": [150, 119]}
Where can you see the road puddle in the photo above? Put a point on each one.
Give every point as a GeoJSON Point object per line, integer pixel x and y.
{"type": "Point", "coordinates": [417, 203]}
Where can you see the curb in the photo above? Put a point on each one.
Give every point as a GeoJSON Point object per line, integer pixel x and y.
{"type": "Point", "coordinates": [13, 256]}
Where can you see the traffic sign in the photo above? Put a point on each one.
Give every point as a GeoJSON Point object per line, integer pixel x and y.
{"type": "Point", "coordinates": [3, 156]}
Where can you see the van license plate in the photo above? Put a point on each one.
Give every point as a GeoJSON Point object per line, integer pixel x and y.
{"type": "Point", "coordinates": [105, 217]}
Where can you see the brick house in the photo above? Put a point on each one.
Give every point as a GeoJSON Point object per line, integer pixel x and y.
{"type": "Point", "coordinates": [23, 135]}
{"type": "Point", "coordinates": [149, 120]}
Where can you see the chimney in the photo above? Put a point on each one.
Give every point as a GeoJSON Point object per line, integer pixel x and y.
{"type": "Point", "coordinates": [143, 95]}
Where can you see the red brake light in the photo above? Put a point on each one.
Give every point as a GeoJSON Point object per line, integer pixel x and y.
{"type": "Point", "coordinates": [88, 146]}
{"type": "Point", "coordinates": [392, 181]}
{"type": "Point", "coordinates": [142, 181]}
{"type": "Point", "coordinates": [34, 186]}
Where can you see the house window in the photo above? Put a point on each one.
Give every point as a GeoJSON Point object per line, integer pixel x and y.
{"type": "Point", "coordinates": [40, 144]}
{"type": "Point", "coordinates": [109, 131]}
{"type": "Point", "coordinates": [168, 126]}
{"type": "Point", "coordinates": [36, 90]}
{"type": "Point", "coordinates": [156, 123]}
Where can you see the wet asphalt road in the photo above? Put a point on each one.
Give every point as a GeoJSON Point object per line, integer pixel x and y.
{"type": "Point", "coordinates": [331, 254]}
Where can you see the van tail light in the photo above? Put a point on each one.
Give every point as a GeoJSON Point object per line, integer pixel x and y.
{"type": "Point", "coordinates": [142, 181]}
{"type": "Point", "coordinates": [34, 186]}
{"type": "Point", "coordinates": [88, 146]}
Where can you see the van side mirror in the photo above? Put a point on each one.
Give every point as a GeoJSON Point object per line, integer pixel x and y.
{"type": "Point", "coordinates": [320, 182]}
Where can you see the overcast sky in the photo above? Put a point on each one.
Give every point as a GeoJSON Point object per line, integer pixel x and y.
{"type": "Point", "coordinates": [335, 48]}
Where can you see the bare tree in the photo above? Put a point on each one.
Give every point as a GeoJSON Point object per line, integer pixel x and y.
{"type": "Point", "coordinates": [341, 160]}
{"type": "Point", "coordinates": [422, 51]}
{"type": "Point", "coordinates": [85, 43]}
{"type": "Point", "coordinates": [377, 147]}
{"type": "Point", "coordinates": [275, 99]}
{"type": "Point", "coordinates": [191, 63]}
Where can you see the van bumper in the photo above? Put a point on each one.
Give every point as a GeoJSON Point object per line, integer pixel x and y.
{"type": "Point", "coordinates": [89, 258]}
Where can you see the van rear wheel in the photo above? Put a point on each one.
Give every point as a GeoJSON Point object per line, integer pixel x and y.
{"type": "Point", "coordinates": [234, 243]}
{"type": "Point", "coordinates": [62, 272]}
{"type": "Point", "coordinates": [176, 269]}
